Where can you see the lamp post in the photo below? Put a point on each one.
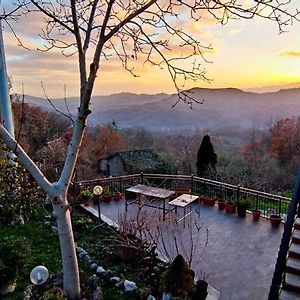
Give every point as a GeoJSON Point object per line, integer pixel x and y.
{"type": "Point", "coordinates": [97, 191]}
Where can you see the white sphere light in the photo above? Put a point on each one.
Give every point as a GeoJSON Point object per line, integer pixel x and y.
{"type": "Point", "coordinates": [97, 190]}
{"type": "Point", "coordinates": [39, 275]}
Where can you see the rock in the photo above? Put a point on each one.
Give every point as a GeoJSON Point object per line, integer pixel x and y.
{"type": "Point", "coordinates": [93, 266]}
{"type": "Point", "coordinates": [150, 297]}
{"type": "Point", "coordinates": [166, 296]}
{"type": "Point", "coordinates": [8, 287]}
{"type": "Point", "coordinates": [82, 254]}
{"type": "Point", "coordinates": [115, 279]}
{"type": "Point", "coordinates": [54, 229]}
{"type": "Point", "coordinates": [93, 282]}
{"type": "Point", "coordinates": [87, 258]}
{"type": "Point", "coordinates": [107, 274]}
{"type": "Point", "coordinates": [97, 294]}
{"type": "Point", "coordinates": [100, 270]}
{"type": "Point", "coordinates": [28, 292]}
{"type": "Point", "coordinates": [79, 249]}
{"type": "Point", "coordinates": [47, 224]}
{"type": "Point", "coordinates": [129, 286]}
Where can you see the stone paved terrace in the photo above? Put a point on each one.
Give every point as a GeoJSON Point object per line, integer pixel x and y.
{"type": "Point", "coordinates": [240, 256]}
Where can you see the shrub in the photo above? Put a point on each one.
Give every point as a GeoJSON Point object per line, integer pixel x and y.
{"type": "Point", "coordinates": [19, 193]}
{"type": "Point", "coordinates": [178, 278]}
{"type": "Point", "coordinates": [85, 194]}
{"type": "Point", "coordinates": [15, 257]}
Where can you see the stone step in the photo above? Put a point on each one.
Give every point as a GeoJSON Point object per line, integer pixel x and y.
{"type": "Point", "coordinates": [288, 295]}
{"type": "Point", "coordinates": [297, 224]}
{"type": "Point", "coordinates": [296, 237]}
{"type": "Point", "coordinates": [294, 251]}
{"type": "Point", "coordinates": [293, 266]}
{"type": "Point", "coordinates": [292, 283]}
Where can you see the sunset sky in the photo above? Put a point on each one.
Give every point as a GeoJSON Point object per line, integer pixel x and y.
{"type": "Point", "coordinates": [246, 54]}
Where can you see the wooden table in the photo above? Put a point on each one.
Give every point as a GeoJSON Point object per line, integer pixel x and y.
{"type": "Point", "coordinates": [184, 201]}
{"type": "Point", "coordinates": [149, 192]}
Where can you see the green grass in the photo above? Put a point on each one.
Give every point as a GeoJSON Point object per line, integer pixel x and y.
{"type": "Point", "coordinates": [88, 234]}
{"type": "Point", "coordinates": [44, 251]}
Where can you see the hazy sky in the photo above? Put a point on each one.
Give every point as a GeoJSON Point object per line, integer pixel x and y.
{"type": "Point", "coordinates": [246, 54]}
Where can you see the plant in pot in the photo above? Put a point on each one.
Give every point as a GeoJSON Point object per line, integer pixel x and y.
{"type": "Point", "coordinates": [85, 196]}
{"type": "Point", "coordinates": [242, 205]}
{"type": "Point", "coordinates": [209, 200]}
{"type": "Point", "coordinates": [221, 204]}
{"type": "Point", "coordinates": [117, 196]}
{"type": "Point", "coordinates": [230, 207]}
{"type": "Point", "coordinates": [107, 194]}
{"type": "Point", "coordinates": [275, 220]}
{"type": "Point", "coordinates": [256, 214]}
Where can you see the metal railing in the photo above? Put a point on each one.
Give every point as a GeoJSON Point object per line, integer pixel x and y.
{"type": "Point", "coordinates": [279, 272]}
{"type": "Point", "coordinates": [267, 203]}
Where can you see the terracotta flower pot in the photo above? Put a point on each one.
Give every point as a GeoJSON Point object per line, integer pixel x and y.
{"type": "Point", "coordinates": [221, 204]}
{"type": "Point", "coordinates": [256, 215]}
{"type": "Point", "coordinates": [117, 196]}
{"type": "Point", "coordinates": [86, 202]}
{"type": "Point", "coordinates": [275, 220]}
{"type": "Point", "coordinates": [210, 201]}
{"type": "Point", "coordinates": [229, 207]}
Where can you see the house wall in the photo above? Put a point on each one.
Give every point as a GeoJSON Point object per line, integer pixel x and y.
{"type": "Point", "coordinates": [116, 166]}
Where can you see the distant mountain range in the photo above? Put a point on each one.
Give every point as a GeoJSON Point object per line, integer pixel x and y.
{"type": "Point", "coordinates": [221, 108]}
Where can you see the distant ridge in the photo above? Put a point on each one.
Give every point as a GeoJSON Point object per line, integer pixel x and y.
{"type": "Point", "coordinates": [222, 107]}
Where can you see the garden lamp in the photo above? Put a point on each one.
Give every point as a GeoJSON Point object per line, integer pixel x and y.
{"type": "Point", "coordinates": [39, 275]}
{"type": "Point", "coordinates": [97, 191]}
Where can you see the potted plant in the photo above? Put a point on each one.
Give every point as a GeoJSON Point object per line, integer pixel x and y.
{"type": "Point", "coordinates": [275, 220]}
{"type": "Point", "coordinates": [107, 194]}
{"type": "Point", "coordinates": [256, 214]}
{"type": "Point", "coordinates": [208, 200]}
{"type": "Point", "coordinates": [117, 196]}
{"type": "Point", "coordinates": [85, 195]}
{"type": "Point", "coordinates": [242, 205]}
{"type": "Point", "coordinates": [221, 204]}
{"type": "Point", "coordinates": [229, 207]}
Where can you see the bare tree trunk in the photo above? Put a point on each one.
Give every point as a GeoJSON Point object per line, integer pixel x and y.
{"type": "Point", "coordinates": [67, 247]}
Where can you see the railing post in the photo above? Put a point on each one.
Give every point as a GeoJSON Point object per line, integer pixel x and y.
{"type": "Point", "coordinates": [256, 205]}
{"type": "Point", "coordinates": [192, 183]}
{"type": "Point", "coordinates": [142, 178]}
{"type": "Point", "coordinates": [120, 185]}
{"type": "Point", "coordinates": [279, 206]}
{"type": "Point", "coordinates": [238, 193]}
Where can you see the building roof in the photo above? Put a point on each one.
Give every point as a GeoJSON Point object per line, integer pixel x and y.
{"type": "Point", "coordinates": [142, 159]}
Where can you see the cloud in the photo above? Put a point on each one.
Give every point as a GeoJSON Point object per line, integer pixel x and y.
{"type": "Point", "coordinates": [290, 53]}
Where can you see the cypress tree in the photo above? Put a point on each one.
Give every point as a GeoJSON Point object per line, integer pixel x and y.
{"type": "Point", "coordinates": [206, 158]}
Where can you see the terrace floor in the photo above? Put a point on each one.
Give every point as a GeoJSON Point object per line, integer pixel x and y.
{"type": "Point", "coordinates": [240, 255]}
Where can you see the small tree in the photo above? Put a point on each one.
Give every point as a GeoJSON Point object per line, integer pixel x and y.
{"type": "Point", "coordinates": [206, 158]}
{"type": "Point", "coordinates": [130, 31]}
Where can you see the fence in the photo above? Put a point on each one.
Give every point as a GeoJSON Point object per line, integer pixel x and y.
{"type": "Point", "coordinates": [267, 203]}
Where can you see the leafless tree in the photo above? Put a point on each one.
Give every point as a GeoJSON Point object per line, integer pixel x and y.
{"type": "Point", "coordinates": [133, 31]}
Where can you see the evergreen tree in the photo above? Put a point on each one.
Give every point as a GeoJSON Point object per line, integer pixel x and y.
{"type": "Point", "coordinates": [206, 158]}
